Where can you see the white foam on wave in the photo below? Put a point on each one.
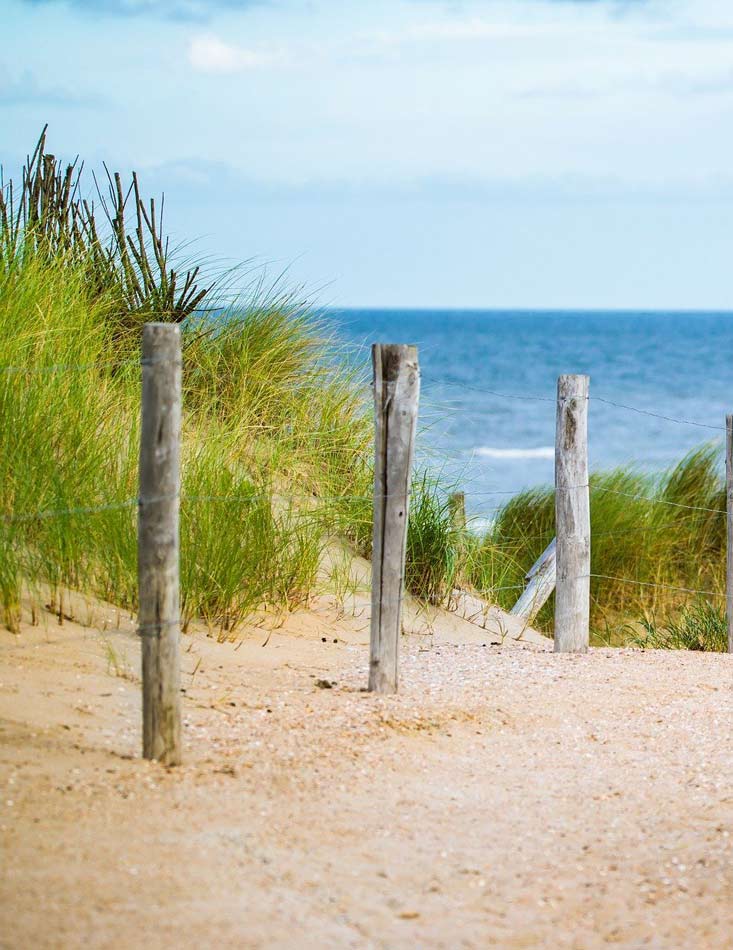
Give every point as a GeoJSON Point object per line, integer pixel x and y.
{"type": "Point", "coordinates": [481, 525]}
{"type": "Point", "coordinates": [543, 452]}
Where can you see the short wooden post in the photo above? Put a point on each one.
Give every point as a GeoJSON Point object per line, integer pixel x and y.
{"type": "Point", "coordinates": [396, 395]}
{"type": "Point", "coordinates": [158, 545]}
{"type": "Point", "coordinates": [729, 506]}
{"type": "Point", "coordinates": [572, 516]}
{"type": "Point", "coordinates": [457, 509]}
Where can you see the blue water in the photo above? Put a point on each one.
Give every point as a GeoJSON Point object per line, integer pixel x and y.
{"type": "Point", "coordinates": [674, 364]}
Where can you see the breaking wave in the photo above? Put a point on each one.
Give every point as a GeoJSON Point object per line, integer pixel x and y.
{"type": "Point", "coordinates": [543, 452]}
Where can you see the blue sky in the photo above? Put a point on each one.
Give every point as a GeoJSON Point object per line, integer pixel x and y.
{"type": "Point", "coordinates": [443, 153]}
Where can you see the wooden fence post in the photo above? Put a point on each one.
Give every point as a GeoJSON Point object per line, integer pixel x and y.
{"type": "Point", "coordinates": [158, 544]}
{"type": "Point", "coordinates": [541, 583]}
{"type": "Point", "coordinates": [572, 516]}
{"type": "Point", "coordinates": [729, 506]}
{"type": "Point", "coordinates": [457, 510]}
{"type": "Point", "coordinates": [396, 394]}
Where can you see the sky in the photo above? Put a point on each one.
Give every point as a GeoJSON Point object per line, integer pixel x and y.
{"type": "Point", "coordinates": [424, 153]}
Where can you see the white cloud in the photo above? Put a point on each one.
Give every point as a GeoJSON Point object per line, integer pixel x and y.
{"type": "Point", "coordinates": [208, 53]}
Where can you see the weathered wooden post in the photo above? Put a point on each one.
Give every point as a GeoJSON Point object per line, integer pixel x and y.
{"type": "Point", "coordinates": [158, 553]}
{"type": "Point", "coordinates": [572, 516]}
{"type": "Point", "coordinates": [541, 583]}
{"type": "Point", "coordinates": [729, 507]}
{"type": "Point", "coordinates": [396, 395]}
{"type": "Point", "coordinates": [457, 510]}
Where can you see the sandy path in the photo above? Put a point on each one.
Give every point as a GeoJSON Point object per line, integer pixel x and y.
{"type": "Point", "coordinates": [508, 797]}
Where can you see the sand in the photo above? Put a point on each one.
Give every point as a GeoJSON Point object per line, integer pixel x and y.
{"type": "Point", "coordinates": [506, 798]}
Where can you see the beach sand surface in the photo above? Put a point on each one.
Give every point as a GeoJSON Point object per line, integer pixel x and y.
{"type": "Point", "coordinates": [506, 797]}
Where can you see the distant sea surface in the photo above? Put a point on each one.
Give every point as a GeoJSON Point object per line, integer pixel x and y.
{"type": "Point", "coordinates": [678, 365]}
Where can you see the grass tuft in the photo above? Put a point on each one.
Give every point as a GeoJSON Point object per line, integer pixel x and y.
{"type": "Point", "coordinates": [636, 535]}
{"type": "Point", "coordinates": [700, 625]}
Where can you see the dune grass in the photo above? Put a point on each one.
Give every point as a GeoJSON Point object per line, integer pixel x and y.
{"type": "Point", "coordinates": [276, 461]}
{"type": "Point", "coordinates": [700, 625]}
{"type": "Point", "coordinates": [641, 531]}
{"type": "Point", "coordinates": [435, 546]}
{"type": "Point", "coordinates": [277, 445]}
{"type": "Point", "coordinates": [277, 430]}
{"type": "Point", "coordinates": [271, 424]}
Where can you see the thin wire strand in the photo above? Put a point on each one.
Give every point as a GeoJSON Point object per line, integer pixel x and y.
{"type": "Point", "coordinates": [658, 501]}
{"type": "Point", "coordinates": [603, 399]}
{"type": "Point", "coordinates": [67, 367]}
{"type": "Point", "coordinates": [251, 499]}
{"type": "Point", "coordinates": [651, 501]}
{"type": "Point", "coordinates": [60, 512]}
{"type": "Point", "coordinates": [630, 580]}
{"type": "Point", "coordinates": [102, 364]}
{"type": "Point", "coordinates": [494, 392]}
{"type": "Point", "coordinates": [153, 629]}
{"type": "Point", "coordinates": [549, 532]}
{"type": "Point", "coordinates": [492, 590]}
{"type": "Point", "coordinates": [656, 415]}
{"type": "Point", "coordinates": [224, 499]}
{"type": "Point", "coordinates": [154, 361]}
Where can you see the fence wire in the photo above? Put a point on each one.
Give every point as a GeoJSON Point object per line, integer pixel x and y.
{"type": "Point", "coordinates": [655, 415]}
{"type": "Point", "coordinates": [336, 499]}
{"type": "Point", "coordinates": [524, 397]}
{"type": "Point", "coordinates": [590, 398]}
{"type": "Point", "coordinates": [631, 580]}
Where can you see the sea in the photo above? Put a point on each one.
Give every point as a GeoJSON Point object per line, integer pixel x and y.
{"type": "Point", "coordinates": [661, 384]}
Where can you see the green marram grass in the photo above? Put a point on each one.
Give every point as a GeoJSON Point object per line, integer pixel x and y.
{"type": "Point", "coordinates": [271, 424]}
{"type": "Point", "coordinates": [276, 446]}
{"type": "Point", "coordinates": [435, 550]}
{"type": "Point", "coordinates": [653, 533]}
{"type": "Point", "coordinates": [700, 625]}
{"type": "Point", "coordinates": [276, 442]}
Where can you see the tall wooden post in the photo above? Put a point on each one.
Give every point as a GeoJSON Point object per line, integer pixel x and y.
{"type": "Point", "coordinates": [396, 395]}
{"type": "Point", "coordinates": [729, 507]}
{"type": "Point", "coordinates": [158, 545]}
{"type": "Point", "coordinates": [572, 516]}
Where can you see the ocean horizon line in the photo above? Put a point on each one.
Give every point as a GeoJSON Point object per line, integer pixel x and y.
{"type": "Point", "coordinates": [524, 311]}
